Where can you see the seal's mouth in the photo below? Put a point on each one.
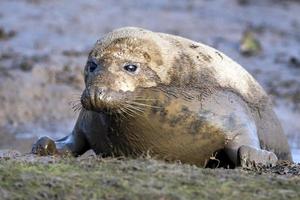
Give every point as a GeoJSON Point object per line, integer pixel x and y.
{"type": "Point", "coordinates": [126, 104]}
{"type": "Point", "coordinates": [100, 99]}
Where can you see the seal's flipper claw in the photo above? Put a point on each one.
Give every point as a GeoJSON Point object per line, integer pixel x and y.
{"type": "Point", "coordinates": [44, 146]}
{"type": "Point", "coordinates": [250, 157]}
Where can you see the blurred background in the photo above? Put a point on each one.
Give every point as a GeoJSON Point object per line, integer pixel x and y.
{"type": "Point", "coordinates": [44, 47]}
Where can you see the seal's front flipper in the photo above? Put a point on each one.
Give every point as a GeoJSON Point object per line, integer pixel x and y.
{"type": "Point", "coordinates": [250, 157]}
{"type": "Point", "coordinates": [73, 144]}
{"type": "Point", "coordinates": [44, 146]}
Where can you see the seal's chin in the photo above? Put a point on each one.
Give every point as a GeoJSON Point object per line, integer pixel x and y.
{"type": "Point", "coordinates": [98, 100]}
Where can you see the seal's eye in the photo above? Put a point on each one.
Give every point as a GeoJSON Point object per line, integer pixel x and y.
{"type": "Point", "coordinates": [92, 66]}
{"type": "Point", "coordinates": [130, 68]}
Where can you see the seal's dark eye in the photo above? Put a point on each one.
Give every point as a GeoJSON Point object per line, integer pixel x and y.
{"type": "Point", "coordinates": [92, 66]}
{"type": "Point", "coordinates": [130, 68]}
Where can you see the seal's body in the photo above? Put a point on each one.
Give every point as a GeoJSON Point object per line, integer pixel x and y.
{"type": "Point", "coordinates": [174, 99]}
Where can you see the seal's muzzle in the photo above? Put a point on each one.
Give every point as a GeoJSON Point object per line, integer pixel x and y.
{"type": "Point", "coordinates": [94, 98]}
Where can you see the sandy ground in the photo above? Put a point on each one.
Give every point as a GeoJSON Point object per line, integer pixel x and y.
{"type": "Point", "coordinates": [44, 44]}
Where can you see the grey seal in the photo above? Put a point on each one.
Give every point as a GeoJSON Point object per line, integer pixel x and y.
{"type": "Point", "coordinates": [172, 98]}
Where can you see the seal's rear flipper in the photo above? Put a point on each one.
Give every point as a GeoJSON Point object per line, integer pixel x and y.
{"type": "Point", "coordinates": [250, 157]}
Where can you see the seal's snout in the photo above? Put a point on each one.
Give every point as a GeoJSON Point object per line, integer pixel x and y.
{"type": "Point", "coordinates": [93, 98]}
{"type": "Point", "coordinates": [85, 100]}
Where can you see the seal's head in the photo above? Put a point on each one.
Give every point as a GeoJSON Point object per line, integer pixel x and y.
{"type": "Point", "coordinates": [119, 67]}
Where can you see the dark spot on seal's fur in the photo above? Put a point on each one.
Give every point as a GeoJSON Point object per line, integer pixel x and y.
{"type": "Point", "coordinates": [218, 53]}
{"type": "Point", "coordinates": [196, 125]}
{"type": "Point", "coordinates": [194, 46]}
{"type": "Point", "coordinates": [175, 120]}
{"type": "Point", "coordinates": [119, 41]}
{"type": "Point", "coordinates": [197, 122]}
{"type": "Point", "coordinates": [181, 117]}
{"type": "Point", "coordinates": [183, 66]}
{"type": "Point", "coordinates": [147, 57]}
{"type": "Point", "coordinates": [163, 112]}
{"type": "Point", "coordinates": [205, 57]}
{"type": "Point", "coordinates": [185, 109]}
